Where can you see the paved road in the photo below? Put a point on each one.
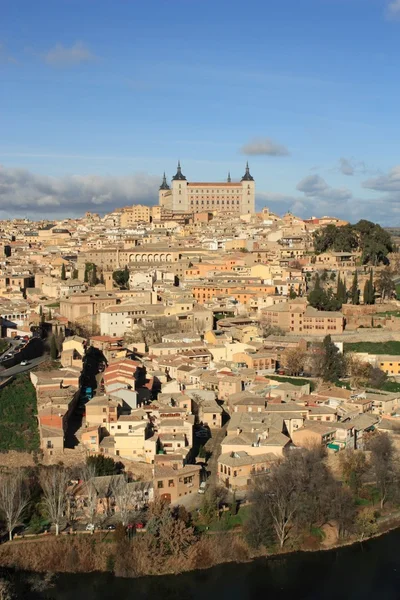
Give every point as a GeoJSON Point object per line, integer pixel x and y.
{"type": "Point", "coordinates": [13, 344]}
{"type": "Point", "coordinates": [34, 362]}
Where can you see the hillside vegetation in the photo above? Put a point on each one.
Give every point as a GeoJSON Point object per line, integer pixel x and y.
{"type": "Point", "coordinates": [370, 239]}
{"type": "Point", "coordinates": [18, 423]}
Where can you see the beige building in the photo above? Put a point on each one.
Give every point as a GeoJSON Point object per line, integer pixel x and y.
{"type": "Point", "coordinates": [171, 483]}
{"type": "Point", "coordinates": [224, 197]}
{"type": "Point", "coordinates": [131, 215]}
{"type": "Point", "coordinates": [299, 319]}
{"type": "Point", "coordinates": [236, 469]}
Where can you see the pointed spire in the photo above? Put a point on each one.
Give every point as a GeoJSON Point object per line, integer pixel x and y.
{"type": "Point", "coordinates": [179, 175]}
{"type": "Point", "coordinates": [247, 176]}
{"type": "Point", "coordinates": [164, 185]}
{"type": "Point", "coordinates": [229, 177]}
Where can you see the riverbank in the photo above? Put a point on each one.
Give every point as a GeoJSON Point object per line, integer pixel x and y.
{"type": "Point", "coordinates": [140, 557]}
{"type": "Point", "coordinates": [358, 571]}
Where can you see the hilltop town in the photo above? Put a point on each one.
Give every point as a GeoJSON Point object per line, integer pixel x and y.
{"type": "Point", "coordinates": [195, 342]}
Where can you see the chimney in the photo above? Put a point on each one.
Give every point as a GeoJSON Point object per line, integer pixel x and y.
{"type": "Point", "coordinates": [238, 431]}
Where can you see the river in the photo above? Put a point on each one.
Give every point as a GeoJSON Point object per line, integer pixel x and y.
{"type": "Point", "coordinates": [361, 572]}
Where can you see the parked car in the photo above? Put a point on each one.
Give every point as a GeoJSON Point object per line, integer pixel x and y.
{"type": "Point", "coordinates": [8, 355]}
{"type": "Point", "coordinates": [110, 527]}
{"type": "Point", "coordinates": [201, 433]}
{"type": "Point", "coordinates": [90, 527]}
{"type": "Point", "coordinates": [202, 488]}
{"type": "Point", "coordinates": [24, 363]}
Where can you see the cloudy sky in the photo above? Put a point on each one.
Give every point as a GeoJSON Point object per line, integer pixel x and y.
{"type": "Point", "coordinates": [99, 97]}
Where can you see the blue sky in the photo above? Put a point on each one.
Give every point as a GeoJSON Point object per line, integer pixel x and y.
{"type": "Point", "coordinates": [98, 98]}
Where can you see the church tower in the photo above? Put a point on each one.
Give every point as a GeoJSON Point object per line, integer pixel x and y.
{"type": "Point", "coordinates": [180, 201]}
{"type": "Point", "coordinates": [248, 193]}
{"type": "Point", "coordinates": [164, 194]}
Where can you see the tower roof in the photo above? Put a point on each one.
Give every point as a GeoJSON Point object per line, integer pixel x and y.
{"type": "Point", "coordinates": [179, 176]}
{"type": "Point", "coordinates": [247, 176]}
{"type": "Point", "coordinates": [164, 185]}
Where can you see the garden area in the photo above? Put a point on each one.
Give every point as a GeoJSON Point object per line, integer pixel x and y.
{"type": "Point", "coordinates": [18, 423]}
{"type": "Point", "coordinates": [391, 347]}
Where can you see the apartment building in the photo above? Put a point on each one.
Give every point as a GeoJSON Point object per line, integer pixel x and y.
{"type": "Point", "coordinates": [299, 319]}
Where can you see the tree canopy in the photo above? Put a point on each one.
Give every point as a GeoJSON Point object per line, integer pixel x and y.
{"type": "Point", "coordinates": [370, 238]}
{"type": "Point", "coordinates": [322, 299]}
{"type": "Point", "coordinates": [121, 277]}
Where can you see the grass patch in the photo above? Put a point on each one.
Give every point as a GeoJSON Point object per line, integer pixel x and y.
{"type": "Point", "coordinates": [3, 345]}
{"type": "Point", "coordinates": [398, 291]}
{"type": "Point", "coordinates": [390, 386]}
{"type": "Point", "coordinates": [18, 423]}
{"type": "Point", "coordinates": [318, 533]}
{"type": "Point", "coordinates": [391, 347]}
{"type": "Point", "coordinates": [343, 384]}
{"type": "Point", "coordinates": [389, 313]}
{"type": "Point", "coordinates": [293, 380]}
{"type": "Point", "coordinates": [226, 521]}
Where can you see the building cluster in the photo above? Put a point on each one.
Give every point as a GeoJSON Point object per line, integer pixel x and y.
{"type": "Point", "coordinates": [190, 306]}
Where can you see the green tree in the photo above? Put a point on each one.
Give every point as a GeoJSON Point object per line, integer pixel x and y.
{"type": "Point", "coordinates": [332, 365]}
{"type": "Point", "coordinates": [292, 293]}
{"type": "Point", "coordinates": [53, 348]}
{"type": "Point", "coordinates": [90, 276]}
{"type": "Point", "coordinates": [63, 273]}
{"type": "Point", "coordinates": [371, 239]}
{"type": "Point", "coordinates": [355, 292]}
{"type": "Point", "coordinates": [75, 274]}
{"type": "Point", "coordinates": [101, 280]}
{"type": "Point", "coordinates": [385, 284]}
{"type": "Point", "coordinates": [121, 277]}
{"type": "Point", "coordinates": [103, 465]}
{"type": "Point", "coordinates": [369, 290]}
{"type": "Point", "coordinates": [341, 293]}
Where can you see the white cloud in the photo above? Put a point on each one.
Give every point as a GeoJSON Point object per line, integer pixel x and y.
{"type": "Point", "coordinates": [393, 9]}
{"type": "Point", "coordinates": [24, 192]}
{"type": "Point", "coordinates": [264, 147]}
{"type": "Point", "coordinates": [315, 186]}
{"type": "Point", "coordinates": [385, 183]}
{"type": "Point", "coordinates": [62, 56]}
{"type": "Point", "coordinates": [346, 166]}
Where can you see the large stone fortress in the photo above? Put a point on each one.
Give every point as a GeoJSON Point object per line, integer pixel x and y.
{"type": "Point", "coordinates": [227, 197]}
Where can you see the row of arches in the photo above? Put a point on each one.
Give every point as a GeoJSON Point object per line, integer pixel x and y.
{"type": "Point", "coordinates": [163, 257]}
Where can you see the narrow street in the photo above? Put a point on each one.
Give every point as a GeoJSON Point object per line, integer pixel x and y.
{"type": "Point", "coordinates": [213, 445]}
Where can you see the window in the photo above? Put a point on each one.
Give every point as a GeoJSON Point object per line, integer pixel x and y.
{"type": "Point", "coordinates": [171, 483]}
{"type": "Point", "coordinates": [160, 484]}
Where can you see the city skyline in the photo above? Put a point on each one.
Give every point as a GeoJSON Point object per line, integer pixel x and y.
{"type": "Point", "coordinates": [99, 103]}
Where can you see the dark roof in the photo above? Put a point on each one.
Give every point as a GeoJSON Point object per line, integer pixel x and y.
{"type": "Point", "coordinates": [164, 185]}
{"type": "Point", "coordinates": [247, 176]}
{"type": "Point", "coordinates": [179, 176]}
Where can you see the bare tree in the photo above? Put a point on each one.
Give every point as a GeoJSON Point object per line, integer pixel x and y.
{"type": "Point", "coordinates": [124, 497]}
{"type": "Point", "coordinates": [278, 493]}
{"type": "Point", "coordinates": [293, 360]}
{"type": "Point", "coordinates": [54, 482]}
{"type": "Point", "coordinates": [383, 464]}
{"type": "Point", "coordinates": [88, 474]}
{"type": "Point", "coordinates": [152, 332]}
{"type": "Point", "coordinates": [14, 498]}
